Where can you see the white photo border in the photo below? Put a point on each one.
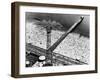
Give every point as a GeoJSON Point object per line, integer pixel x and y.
{"type": "Point", "coordinates": [40, 70]}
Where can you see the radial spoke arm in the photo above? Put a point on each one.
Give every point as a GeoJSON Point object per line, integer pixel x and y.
{"type": "Point", "coordinates": [52, 48]}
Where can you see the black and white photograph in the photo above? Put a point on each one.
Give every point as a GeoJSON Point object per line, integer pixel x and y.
{"type": "Point", "coordinates": [51, 39]}
{"type": "Point", "coordinates": [57, 39]}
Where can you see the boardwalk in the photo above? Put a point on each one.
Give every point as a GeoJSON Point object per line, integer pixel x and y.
{"type": "Point", "coordinates": [57, 58]}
